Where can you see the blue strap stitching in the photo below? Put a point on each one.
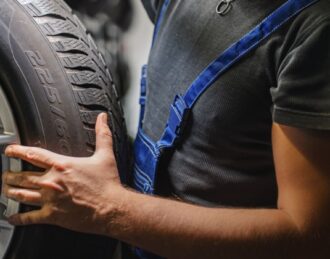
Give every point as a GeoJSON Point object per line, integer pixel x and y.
{"type": "Point", "coordinates": [143, 173]}
{"type": "Point", "coordinates": [138, 183]}
{"type": "Point", "coordinates": [140, 177]}
{"type": "Point", "coordinates": [176, 112]}
{"type": "Point", "coordinates": [140, 135]}
{"type": "Point", "coordinates": [141, 183]}
{"type": "Point", "coordinates": [149, 145]}
{"type": "Point", "coordinates": [143, 179]}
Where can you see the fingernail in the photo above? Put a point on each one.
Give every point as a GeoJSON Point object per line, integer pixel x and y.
{"type": "Point", "coordinates": [104, 118]}
{"type": "Point", "coordinates": [11, 192]}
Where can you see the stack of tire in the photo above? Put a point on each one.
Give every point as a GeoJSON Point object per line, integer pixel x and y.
{"type": "Point", "coordinates": [57, 82]}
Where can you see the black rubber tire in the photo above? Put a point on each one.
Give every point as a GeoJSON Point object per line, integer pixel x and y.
{"type": "Point", "coordinates": [57, 82]}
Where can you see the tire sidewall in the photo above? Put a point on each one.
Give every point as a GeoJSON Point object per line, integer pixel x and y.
{"type": "Point", "coordinates": [47, 116]}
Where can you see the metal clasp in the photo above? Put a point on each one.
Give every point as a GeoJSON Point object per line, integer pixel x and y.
{"type": "Point", "coordinates": [224, 7]}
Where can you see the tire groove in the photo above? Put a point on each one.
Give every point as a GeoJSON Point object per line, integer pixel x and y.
{"type": "Point", "coordinates": [90, 80]}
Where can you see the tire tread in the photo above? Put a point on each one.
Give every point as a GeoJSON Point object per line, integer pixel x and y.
{"type": "Point", "coordinates": [90, 79]}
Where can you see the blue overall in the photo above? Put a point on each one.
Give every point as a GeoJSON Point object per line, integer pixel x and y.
{"type": "Point", "coordinates": [147, 152]}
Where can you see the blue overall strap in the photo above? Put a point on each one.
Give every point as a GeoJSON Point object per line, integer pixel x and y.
{"type": "Point", "coordinates": [160, 19]}
{"type": "Point", "coordinates": [182, 105]}
{"type": "Point", "coordinates": [143, 93]}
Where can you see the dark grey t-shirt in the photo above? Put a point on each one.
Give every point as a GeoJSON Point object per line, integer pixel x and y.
{"type": "Point", "coordinates": [226, 156]}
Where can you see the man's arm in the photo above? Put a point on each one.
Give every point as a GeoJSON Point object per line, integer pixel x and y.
{"type": "Point", "coordinates": [298, 228]}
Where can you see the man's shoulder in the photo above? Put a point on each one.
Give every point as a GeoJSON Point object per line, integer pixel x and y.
{"type": "Point", "coordinates": [321, 7]}
{"type": "Point", "coordinates": [310, 23]}
{"type": "Point", "coordinates": [318, 13]}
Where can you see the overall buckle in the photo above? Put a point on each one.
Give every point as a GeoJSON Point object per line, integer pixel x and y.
{"type": "Point", "coordinates": [143, 83]}
{"type": "Point", "coordinates": [179, 114]}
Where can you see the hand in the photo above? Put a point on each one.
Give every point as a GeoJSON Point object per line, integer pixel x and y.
{"type": "Point", "coordinates": [73, 192]}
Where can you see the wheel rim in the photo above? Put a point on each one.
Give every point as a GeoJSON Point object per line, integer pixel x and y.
{"type": "Point", "coordinates": [8, 134]}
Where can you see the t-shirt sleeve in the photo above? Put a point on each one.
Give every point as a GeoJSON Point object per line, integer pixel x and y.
{"type": "Point", "coordinates": [302, 95]}
{"type": "Point", "coordinates": [152, 7]}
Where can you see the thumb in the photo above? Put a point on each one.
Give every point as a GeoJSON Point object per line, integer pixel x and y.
{"type": "Point", "coordinates": [103, 134]}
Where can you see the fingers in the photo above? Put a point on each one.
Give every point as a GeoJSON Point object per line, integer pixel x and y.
{"type": "Point", "coordinates": [39, 157]}
{"type": "Point", "coordinates": [29, 197]}
{"type": "Point", "coordinates": [29, 218]}
{"type": "Point", "coordinates": [103, 134]}
{"type": "Point", "coordinates": [28, 180]}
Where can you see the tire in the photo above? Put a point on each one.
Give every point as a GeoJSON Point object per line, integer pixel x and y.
{"type": "Point", "coordinates": [109, 40]}
{"type": "Point", "coordinates": [57, 83]}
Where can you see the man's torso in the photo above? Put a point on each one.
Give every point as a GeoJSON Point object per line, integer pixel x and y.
{"type": "Point", "coordinates": [225, 158]}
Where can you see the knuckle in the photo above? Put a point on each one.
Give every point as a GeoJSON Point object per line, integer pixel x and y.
{"type": "Point", "coordinates": [18, 178]}
{"type": "Point", "coordinates": [15, 179]}
{"type": "Point", "coordinates": [30, 154]}
{"type": "Point", "coordinates": [105, 133]}
{"type": "Point", "coordinates": [108, 159]}
{"type": "Point", "coordinates": [30, 179]}
{"type": "Point", "coordinates": [33, 180]}
{"type": "Point", "coordinates": [62, 165]}
{"type": "Point", "coordinates": [6, 177]}
{"type": "Point", "coordinates": [48, 161]}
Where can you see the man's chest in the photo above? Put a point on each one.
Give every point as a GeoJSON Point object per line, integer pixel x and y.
{"type": "Point", "coordinates": [191, 36]}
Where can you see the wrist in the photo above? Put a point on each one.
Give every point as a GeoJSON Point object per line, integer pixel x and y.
{"type": "Point", "coordinates": [115, 210]}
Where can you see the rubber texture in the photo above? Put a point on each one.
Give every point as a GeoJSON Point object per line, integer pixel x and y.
{"type": "Point", "coordinates": [57, 83]}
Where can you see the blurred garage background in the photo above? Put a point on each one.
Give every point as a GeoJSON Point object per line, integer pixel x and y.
{"type": "Point", "coordinates": [123, 34]}
{"type": "Point", "coordinates": [137, 41]}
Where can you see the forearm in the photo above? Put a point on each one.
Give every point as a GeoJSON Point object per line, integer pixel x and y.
{"type": "Point", "coordinates": [178, 230]}
{"type": "Point", "coordinates": [67, 193]}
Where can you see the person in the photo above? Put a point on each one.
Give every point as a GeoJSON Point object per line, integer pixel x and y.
{"type": "Point", "coordinates": [244, 172]}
